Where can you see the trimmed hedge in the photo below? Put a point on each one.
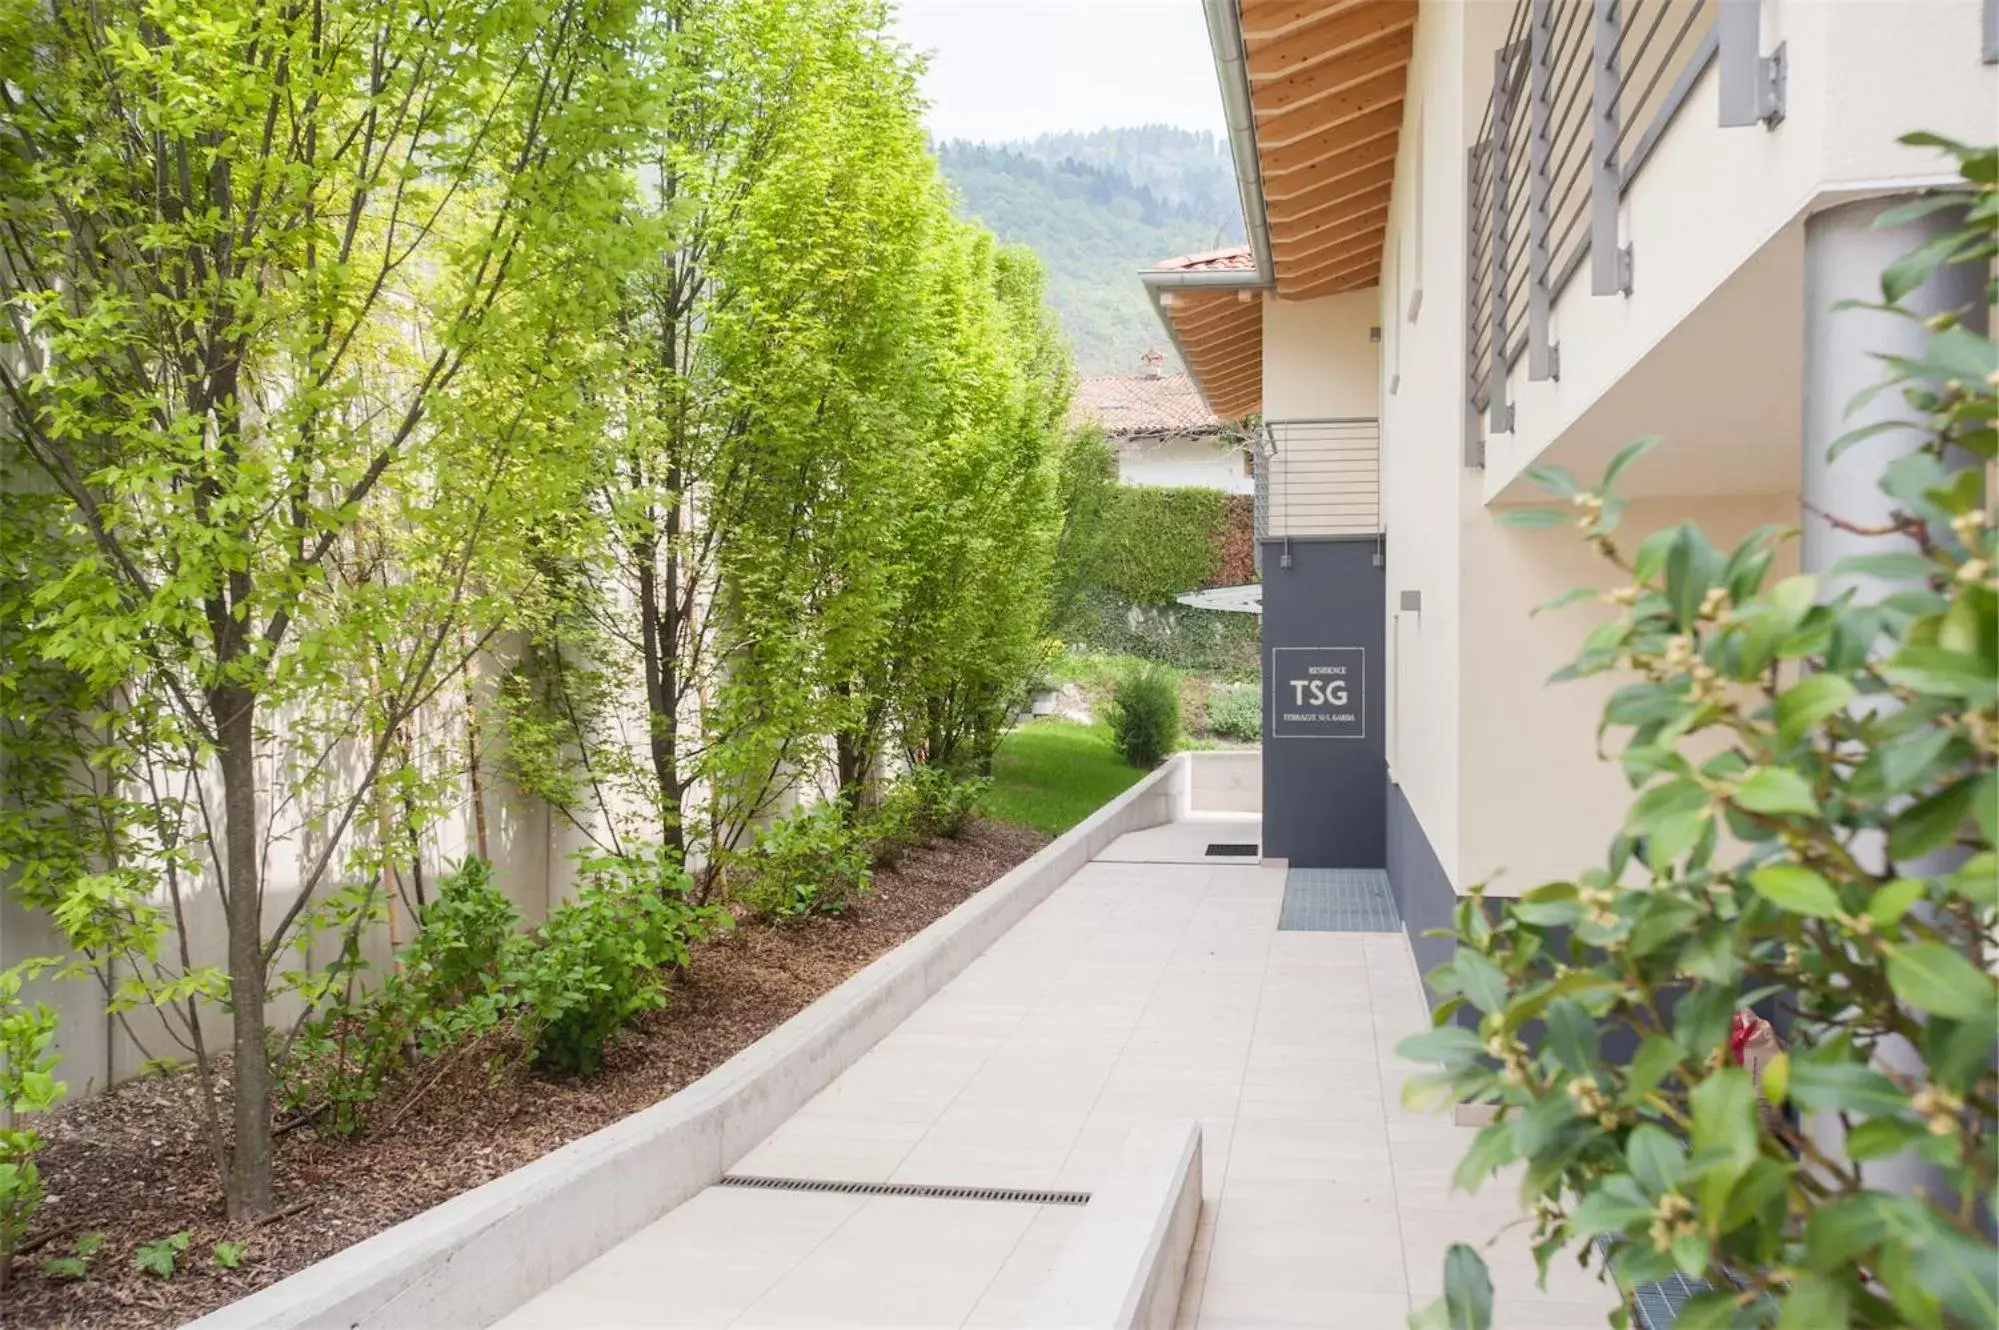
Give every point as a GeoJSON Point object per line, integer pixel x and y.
{"type": "Point", "coordinates": [1156, 543]}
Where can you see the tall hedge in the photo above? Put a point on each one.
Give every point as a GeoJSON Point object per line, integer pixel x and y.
{"type": "Point", "coordinates": [1156, 543]}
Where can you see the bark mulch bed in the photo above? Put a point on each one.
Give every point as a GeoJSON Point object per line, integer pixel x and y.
{"type": "Point", "coordinates": [130, 1164]}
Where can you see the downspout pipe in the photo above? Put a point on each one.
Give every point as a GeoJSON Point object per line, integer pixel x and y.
{"type": "Point", "coordinates": [1232, 69]}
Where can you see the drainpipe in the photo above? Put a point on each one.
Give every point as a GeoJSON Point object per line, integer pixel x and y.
{"type": "Point", "coordinates": [1232, 69]}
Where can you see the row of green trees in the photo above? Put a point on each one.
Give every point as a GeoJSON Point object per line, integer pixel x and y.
{"type": "Point", "coordinates": [628, 349]}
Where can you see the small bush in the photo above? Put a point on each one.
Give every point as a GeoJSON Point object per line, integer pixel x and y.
{"type": "Point", "coordinates": [1236, 713]}
{"type": "Point", "coordinates": [812, 862]}
{"type": "Point", "coordinates": [1145, 716]}
{"type": "Point", "coordinates": [946, 800]}
{"type": "Point", "coordinates": [604, 958]}
{"type": "Point", "coordinates": [26, 1086]}
{"type": "Point", "coordinates": [454, 983]}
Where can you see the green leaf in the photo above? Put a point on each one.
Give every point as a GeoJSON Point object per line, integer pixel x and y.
{"type": "Point", "coordinates": [1725, 1128]}
{"type": "Point", "coordinates": [1932, 977]}
{"type": "Point", "coordinates": [1626, 455]}
{"type": "Point", "coordinates": [1961, 1270]}
{"type": "Point", "coordinates": [1932, 823]}
{"type": "Point", "coordinates": [1805, 704]}
{"type": "Point", "coordinates": [1837, 1233]}
{"type": "Point", "coordinates": [1480, 981]}
{"type": "Point", "coordinates": [1860, 434]}
{"type": "Point", "coordinates": [1887, 905]}
{"type": "Point", "coordinates": [1535, 519]}
{"type": "Point", "coordinates": [1691, 565]}
{"type": "Point", "coordinates": [1467, 1289]}
{"type": "Point", "coordinates": [1882, 1138]}
{"type": "Point", "coordinates": [1446, 1043]}
{"type": "Point", "coordinates": [1887, 567]}
{"type": "Point", "coordinates": [1573, 596]}
{"type": "Point", "coordinates": [1775, 791]}
{"type": "Point", "coordinates": [1817, 1302]}
{"type": "Point", "coordinates": [1650, 1064]}
{"type": "Point", "coordinates": [1797, 889]}
{"type": "Point", "coordinates": [1935, 672]}
{"type": "Point", "coordinates": [1910, 271]}
{"type": "Point", "coordinates": [1656, 1159]}
{"type": "Point", "coordinates": [1615, 1205]}
{"type": "Point", "coordinates": [1556, 480]}
{"type": "Point", "coordinates": [1490, 1150]}
{"type": "Point", "coordinates": [1836, 1085]}
{"type": "Point", "coordinates": [1572, 1035]}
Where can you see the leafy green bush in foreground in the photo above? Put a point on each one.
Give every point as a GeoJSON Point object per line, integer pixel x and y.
{"type": "Point", "coordinates": [1813, 729]}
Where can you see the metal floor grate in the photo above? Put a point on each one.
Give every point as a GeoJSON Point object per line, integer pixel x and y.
{"type": "Point", "coordinates": [1338, 900]}
{"type": "Point", "coordinates": [1018, 1195]}
{"type": "Point", "coordinates": [1233, 850]}
{"type": "Point", "coordinates": [1657, 1305]}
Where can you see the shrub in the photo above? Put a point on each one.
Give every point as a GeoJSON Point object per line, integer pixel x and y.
{"type": "Point", "coordinates": [27, 1085]}
{"type": "Point", "coordinates": [945, 799]}
{"type": "Point", "coordinates": [1844, 751]}
{"type": "Point", "coordinates": [1236, 713]}
{"type": "Point", "coordinates": [1145, 716]}
{"type": "Point", "coordinates": [811, 862]}
{"type": "Point", "coordinates": [604, 958]}
{"type": "Point", "coordinates": [454, 983]}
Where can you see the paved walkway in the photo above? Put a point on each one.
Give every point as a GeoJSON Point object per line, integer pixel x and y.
{"type": "Point", "coordinates": [1153, 984]}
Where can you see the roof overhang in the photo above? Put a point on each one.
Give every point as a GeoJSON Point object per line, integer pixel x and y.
{"type": "Point", "coordinates": [1313, 91]}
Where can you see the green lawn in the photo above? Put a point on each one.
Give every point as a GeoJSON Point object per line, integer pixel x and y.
{"type": "Point", "coordinates": [1051, 774]}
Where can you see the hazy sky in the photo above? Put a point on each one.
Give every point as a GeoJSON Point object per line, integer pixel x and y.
{"type": "Point", "coordinates": [1008, 69]}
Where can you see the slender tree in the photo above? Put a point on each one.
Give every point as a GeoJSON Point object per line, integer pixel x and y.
{"type": "Point", "coordinates": [291, 287]}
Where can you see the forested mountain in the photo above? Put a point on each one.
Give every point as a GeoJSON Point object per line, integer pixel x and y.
{"type": "Point", "coordinates": [1098, 207]}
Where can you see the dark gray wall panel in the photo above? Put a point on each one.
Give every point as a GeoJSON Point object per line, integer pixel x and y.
{"type": "Point", "coordinates": [1324, 769]}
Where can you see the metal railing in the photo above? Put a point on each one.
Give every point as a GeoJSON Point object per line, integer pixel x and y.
{"type": "Point", "coordinates": [1319, 478]}
{"type": "Point", "coordinates": [1582, 91]}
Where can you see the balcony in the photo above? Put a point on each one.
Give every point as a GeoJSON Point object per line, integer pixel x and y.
{"type": "Point", "coordinates": [1319, 478]}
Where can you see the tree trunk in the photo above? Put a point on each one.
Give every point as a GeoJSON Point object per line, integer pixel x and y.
{"type": "Point", "coordinates": [249, 1182]}
{"type": "Point", "coordinates": [657, 641]}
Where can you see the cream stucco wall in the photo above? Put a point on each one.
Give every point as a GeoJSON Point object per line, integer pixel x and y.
{"type": "Point", "coordinates": [1181, 461]}
{"type": "Point", "coordinates": [1318, 361]}
{"type": "Point", "coordinates": [1538, 803]}
{"type": "Point", "coordinates": [1427, 494]}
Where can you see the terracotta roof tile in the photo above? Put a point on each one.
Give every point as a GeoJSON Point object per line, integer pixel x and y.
{"type": "Point", "coordinates": [1141, 404]}
{"type": "Point", "coordinates": [1234, 257]}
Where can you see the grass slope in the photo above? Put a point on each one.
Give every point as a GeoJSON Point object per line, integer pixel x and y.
{"type": "Point", "coordinates": [1051, 774]}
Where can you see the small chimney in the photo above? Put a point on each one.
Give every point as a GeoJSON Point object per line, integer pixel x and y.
{"type": "Point", "coordinates": [1152, 360]}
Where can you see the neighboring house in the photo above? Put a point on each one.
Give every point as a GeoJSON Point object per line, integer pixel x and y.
{"type": "Point", "coordinates": [1163, 432]}
{"type": "Point", "coordinates": [1667, 203]}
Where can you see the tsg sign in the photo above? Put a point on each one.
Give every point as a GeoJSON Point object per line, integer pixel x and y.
{"type": "Point", "coordinates": [1318, 693]}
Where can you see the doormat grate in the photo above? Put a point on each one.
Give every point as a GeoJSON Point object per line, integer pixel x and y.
{"type": "Point", "coordinates": [931, 1192]}
{"type": "Point", "coordinates": [1658, 1305]}
{"type": "Point", "coordinates": [1233, 850]}
{"type": "Point", "coordinates": [1338, 900]}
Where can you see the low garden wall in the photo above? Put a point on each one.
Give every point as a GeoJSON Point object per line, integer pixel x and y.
{"type": "Point", "coordinates": [479, 1255]}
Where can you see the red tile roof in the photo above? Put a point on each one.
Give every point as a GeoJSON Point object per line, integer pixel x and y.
{"type": "Point", "coordinates": [1236, 256]}
{"type": "Point", "coordinates": [1142, 404]}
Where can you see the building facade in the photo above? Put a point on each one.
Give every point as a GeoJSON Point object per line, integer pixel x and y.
{"type": "Point", "coordinates": [1667, 200]}
{"type": "Point", "coordinates": [1162, 431]}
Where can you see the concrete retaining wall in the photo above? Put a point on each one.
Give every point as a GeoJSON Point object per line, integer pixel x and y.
{"type": "Point", "coordinates": [1226, 782]}
{"type": "Point", "coordinates": [479, 1255]}
{"type": "Point", "coordinates": [1123, 1267]}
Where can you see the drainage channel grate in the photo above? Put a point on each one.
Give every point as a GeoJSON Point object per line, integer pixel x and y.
{"type": "Point", "coordinates": [1658, 1305]}
{"type": "Point", "coordinates": [1338, 900]}
{"type": "Point", "coordinates": [1232, 850]}
{"type": "Point", "coordinates": [1016, 1194]}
